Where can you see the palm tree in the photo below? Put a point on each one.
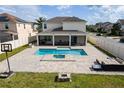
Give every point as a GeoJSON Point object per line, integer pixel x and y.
{"type": "Point", "coordinates": [116, 29]}
{"type": "Point", "coordinates": [39, 23]}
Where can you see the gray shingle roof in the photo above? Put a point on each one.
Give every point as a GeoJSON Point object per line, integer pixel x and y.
{"type": "Point", "coordinates": [64, 19]}
{"type": "Point", "coordinates": [3, 19]}
{"type": "Point", "coordinates": [67, 32]}
{"type": "Point", "coordinates": [7, 17]}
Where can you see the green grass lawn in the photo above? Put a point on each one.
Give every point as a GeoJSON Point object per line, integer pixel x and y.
{"type": "Point", "coordinates": [46, 80]}
{"type": "Point", "coordinates": [15, 51]}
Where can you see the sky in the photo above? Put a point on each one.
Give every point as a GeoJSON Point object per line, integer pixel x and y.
{"type": "Point", "coordinates": [91, 13]}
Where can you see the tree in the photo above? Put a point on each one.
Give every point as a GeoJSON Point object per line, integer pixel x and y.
{"type": "Point", "coordinates": [99, 30]}
{"type": "Point", "coordinates": [116, 29]}
{"type": "Point", "coordinates": [39, 23]}
{"type": "Point", "coordinates": [90, 28]}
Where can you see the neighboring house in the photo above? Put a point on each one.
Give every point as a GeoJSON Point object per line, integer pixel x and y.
{"type": "Point", "coordinates": [60, 31]}
{"type": "Point", "coordinates": [105, 26]}
{"type": "Point", "coordinates": [13, 28]}
{"type": "Point", "coordinates": [121, 21]}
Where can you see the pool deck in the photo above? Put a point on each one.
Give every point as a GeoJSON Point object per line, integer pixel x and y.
{"type": "Point", "coordinates": [27, 61]}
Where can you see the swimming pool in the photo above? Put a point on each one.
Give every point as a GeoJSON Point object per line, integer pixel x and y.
{"type": "Point", "coordinates": [61, 51]}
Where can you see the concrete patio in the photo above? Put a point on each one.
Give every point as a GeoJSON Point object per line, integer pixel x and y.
{"type": "Point", "coordinates": [27, 61]}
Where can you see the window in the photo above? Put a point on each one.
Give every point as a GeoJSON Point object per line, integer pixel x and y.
{"type": "Point", "coordinates": [18, 25]}
{"type": "Point", "coordinates": [47, 38]}
{"type": "Point", "coordinates": [6, 26]}
{"type": "Point", "coordinates": [15, 37]}
{"type": "Point", "coordinates": [45, 26]}
{"type": "Point", "coordinates": [24, 26]}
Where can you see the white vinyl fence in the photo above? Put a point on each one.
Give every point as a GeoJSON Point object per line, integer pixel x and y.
{"type": "Point", "coordinates": [110, 45]}
{"type": "Point", "coordinates": [16, 43]}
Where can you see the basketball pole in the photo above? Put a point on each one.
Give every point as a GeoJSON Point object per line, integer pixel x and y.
{"type": "Point", "coordinates": [8, 62]}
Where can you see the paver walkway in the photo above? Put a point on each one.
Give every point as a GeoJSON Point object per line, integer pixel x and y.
{"type": "Point", "coordinates": [27, 61]}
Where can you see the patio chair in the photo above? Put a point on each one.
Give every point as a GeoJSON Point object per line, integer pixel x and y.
{"type": "Point", "coordinates": [97, 65]}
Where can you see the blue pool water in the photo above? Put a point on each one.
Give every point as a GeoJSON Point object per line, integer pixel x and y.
{"type": "Point", "coordinates": [61, 51]}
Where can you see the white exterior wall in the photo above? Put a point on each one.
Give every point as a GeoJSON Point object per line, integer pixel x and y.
{"type": "Point", "coordinates": [12, 26]}
{"type": "Point", "coordinates": [122, 26]}
{"type": "Point", "coordinates": [19, 28]}
{"type": "Point", "coordinates": [51, 26]}
{"type": "Point", "coordinates": [25, 32]}
{"type": "Point", "coordinates": [81, 26]}
{"type": "Point", "coordinates": [23, 35]}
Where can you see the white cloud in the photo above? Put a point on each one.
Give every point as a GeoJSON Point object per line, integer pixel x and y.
{"type": "Point", "coordinates": [65, 10]}
{"type": "Point", "coordinates": [29, 13]}
{"type": "Point", "coordinates": [7, 9]}
{"type": "Point", "coordinates": [105, 13]}
{"type": "Point", "coordinates": [63, 7]}
{"type": "Point", "coordinates": [96, 13]}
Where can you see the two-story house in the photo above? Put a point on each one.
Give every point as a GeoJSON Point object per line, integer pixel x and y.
{"type": "Point", "coordinates": [104, 26]}
{"type": "Point", "coordinates": [60, 31]}
{"type": "Point", "coordinates": [13, 28]}
{"type": "Point", "coordinates": [121, 21]}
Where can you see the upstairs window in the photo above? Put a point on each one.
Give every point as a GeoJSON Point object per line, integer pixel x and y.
{"type": "Point", "coordinates": [24, 26]}
{"type": "Point", "coordinates": [6, 25]}
{"type": "Point", "coordinates": [45, 26]}
{"type": "Point", "coordinates": [18, 25]}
